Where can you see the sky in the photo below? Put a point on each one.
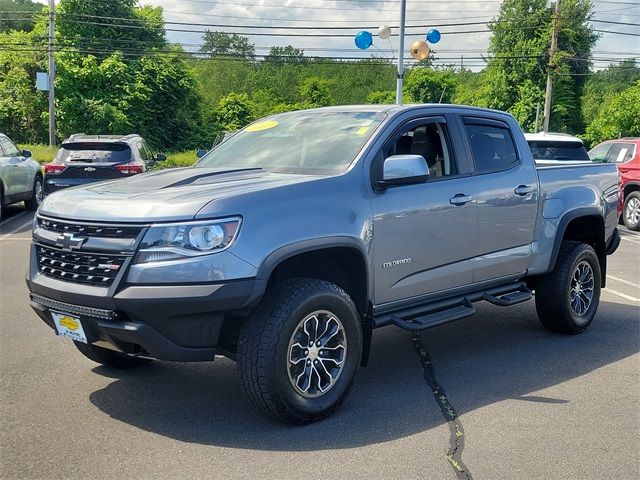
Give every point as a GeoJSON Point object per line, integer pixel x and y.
{"type": "Point", "coordinates": [358, 15]}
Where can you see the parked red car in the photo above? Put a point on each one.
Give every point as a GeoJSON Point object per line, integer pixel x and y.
{"type": "Point", "coordinates": [625, 153]}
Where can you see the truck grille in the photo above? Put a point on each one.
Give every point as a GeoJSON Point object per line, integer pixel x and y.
{"type": "Point", "coordinates": [87, 268]}
{"type": "Point", "coordinates": [86, 230]}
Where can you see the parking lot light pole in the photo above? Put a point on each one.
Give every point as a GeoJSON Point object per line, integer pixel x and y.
{"type": "Point", "coordinates": [52, 74]}
{"type": "Point", "coordinates": [403, 8]}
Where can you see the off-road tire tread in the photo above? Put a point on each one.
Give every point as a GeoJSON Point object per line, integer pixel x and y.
{"type": "Point", "coordinates": [550, 292]}
{"type": "Point", "coordinates": [109, 358]}
{"type": "Point", "coordinates": [262, 331]}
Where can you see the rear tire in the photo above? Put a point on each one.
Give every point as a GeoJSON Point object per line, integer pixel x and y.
{"type": "Point", "coordinates": [37, 194]}
{"type": "Point", "coordinates": [109, 358]}
{"type": "Point", "coordinates": [300, 349]}
{"type": "Point", "coordinates": [567, 298]}
{"type": "Point", "coordinates": [631, 211]}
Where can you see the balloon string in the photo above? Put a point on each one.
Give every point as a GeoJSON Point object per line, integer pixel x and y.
{"type": "Point", "coordinates": [385, 55]}
{"type": "Point", "coordinates": [391, 47]}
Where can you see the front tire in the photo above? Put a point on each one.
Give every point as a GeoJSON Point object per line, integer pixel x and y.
{"type": "Point", "coordinates": [567, 298]}
{"type": "Point", "coordinates": [299, 351]}
{"type": "Point", "coordinates": [631, 211]}
{"type": "Point", "coordinates": [109, 358]}
{"type": "Point", "coordinates": [37, 194]}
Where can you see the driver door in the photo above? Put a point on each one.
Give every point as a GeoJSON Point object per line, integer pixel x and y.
{"type": "Point", "coordinates": [424, 233]}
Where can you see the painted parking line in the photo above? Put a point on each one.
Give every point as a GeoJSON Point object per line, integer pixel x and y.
{"type": "Point", "coordinates": [630, 240]}
{"type": "Point", "coordinates": [11, 219]}
{"type": "Point", "coordinates": [16, 230]}
{"type": "Point", "coordinates": [623, 295]}
{"type": "Point", "coordinates": [622, 280]}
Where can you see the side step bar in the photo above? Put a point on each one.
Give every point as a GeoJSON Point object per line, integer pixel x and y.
{"type": "Point", "coordinates": [421, 317]}
{"type": "Point", "coordinates": [521, 295]}
{"type": "Point", "coordinates": [433, 319]}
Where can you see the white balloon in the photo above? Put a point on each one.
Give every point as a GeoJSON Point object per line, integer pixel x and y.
{"type": "Point", "coordinates": [384, 32]}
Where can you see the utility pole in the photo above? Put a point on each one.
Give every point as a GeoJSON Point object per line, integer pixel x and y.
{"type": "Point", "coordinates": [403, 8]}
{"type": "Point", "coordinates": [52, 75]}
{"type": "Point", "coordinates": [552, 54]}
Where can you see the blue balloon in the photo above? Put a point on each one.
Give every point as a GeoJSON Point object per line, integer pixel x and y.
{"type": "Point", "coordinates": [364, 40]}
{"type": "Point", "coordinates": [433, 36]}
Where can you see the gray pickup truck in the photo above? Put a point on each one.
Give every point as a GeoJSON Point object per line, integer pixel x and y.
{"type": "Point", "coordinates": [286, 245]}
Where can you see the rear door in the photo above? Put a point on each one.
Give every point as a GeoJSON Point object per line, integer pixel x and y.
{"type": "Point", "coordinates": [507, 199]}
{"type": "Point", "coordinates": [424, 233]}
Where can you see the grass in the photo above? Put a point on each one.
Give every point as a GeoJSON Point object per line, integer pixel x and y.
{"type": "Point", "coordinates": [46, 154]}
{"type": "Point", "coordinates": [41, 153]}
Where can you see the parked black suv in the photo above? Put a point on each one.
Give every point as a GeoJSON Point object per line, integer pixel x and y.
{"type": "Point", "coordinates": [90, 158]}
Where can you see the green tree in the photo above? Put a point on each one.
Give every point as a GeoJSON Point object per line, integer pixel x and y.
{"type": "Point", "coordinates": [285, 54]}
{"type": "Point", "coordinates": [605, 85]}
{"type": "Point", "coordinates": [387, 97]}
{"type": "Point", "coordinates": [227, 44]}
{"type": "Point", "coordinates": [234, 111]}
{"type": "Point", "coordinates": [316, 92]}
{"type": "Point", "coordinates": [620, 118]}
{"type": "Point", "coordinates": [22, 107]}
{"type": "Point", "coordinates": [155, 96]}
{"type": "Point", "coordinates": [471, 88]}
{"type": "Point", "coordinates": [101, 27]}
{"type": "Point", "coordinates": [18, 15]}
{"type": "Point", "coordinates": [518, 62]}
{"type": "Point", "coordinates": [425, 85]}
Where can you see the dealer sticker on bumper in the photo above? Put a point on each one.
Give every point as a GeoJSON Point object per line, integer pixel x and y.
{"type": "Point", "coordinates": [69, 326]}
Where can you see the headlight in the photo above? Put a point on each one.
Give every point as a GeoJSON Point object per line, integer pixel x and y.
{"type": "Point", "coordinates": [189, 239]}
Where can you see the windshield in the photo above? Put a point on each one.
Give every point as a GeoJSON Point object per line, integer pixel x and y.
{"type": "Point", "coordinates": [94, 152]}
{"type": "Point", "coordinates": [550, 150]}
{"type": "Point", "coordinates": [306, 142]}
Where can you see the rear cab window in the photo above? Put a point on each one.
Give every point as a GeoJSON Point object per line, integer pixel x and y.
{"type": "Point", "coordinates": [491, 144]}
{"type": "Point", "coordinates": [94, 152]}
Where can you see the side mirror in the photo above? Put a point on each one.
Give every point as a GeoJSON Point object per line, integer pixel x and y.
{"type": "Point", "coordinates": [201, 152]}
{"type": "Point", "coordinates": [26, 153]}
{"type": "Point", "coordinates": [160, 157]}
{"type": "Point", "coordinates": [403, 170]}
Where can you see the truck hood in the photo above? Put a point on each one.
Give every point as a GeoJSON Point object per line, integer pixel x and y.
{"type": "Point", "coordinates": [166, 195]}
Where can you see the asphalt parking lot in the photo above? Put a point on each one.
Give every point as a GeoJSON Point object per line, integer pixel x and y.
{"type": "Point", "coordinates": [530, 404]}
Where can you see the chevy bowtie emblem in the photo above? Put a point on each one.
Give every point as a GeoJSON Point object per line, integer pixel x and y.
{"type": "Point", "coordinates": [70, 242]}
{"type": "Point", "coordinates": [90, 169]}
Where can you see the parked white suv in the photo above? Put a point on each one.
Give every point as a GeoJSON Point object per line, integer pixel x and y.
{"type": "Point", "coordinates": [553, 147]}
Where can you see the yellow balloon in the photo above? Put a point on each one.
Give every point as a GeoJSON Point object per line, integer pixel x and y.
{"type": "Point", "coordinates": [419, 50]}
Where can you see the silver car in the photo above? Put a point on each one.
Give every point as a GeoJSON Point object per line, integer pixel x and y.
{"type": "Point", "coordinates": [20, 176]}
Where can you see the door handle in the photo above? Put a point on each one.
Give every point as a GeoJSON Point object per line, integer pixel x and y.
{"type": "Point", "coordinates": [460, 199]}
{"type": "Point", "coordinates": [523, 190]}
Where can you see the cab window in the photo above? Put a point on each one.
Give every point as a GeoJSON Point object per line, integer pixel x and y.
{"type": "Point", "coordinates": [492, 147]}
{"type": "Point", "coordinates": [428, 140]}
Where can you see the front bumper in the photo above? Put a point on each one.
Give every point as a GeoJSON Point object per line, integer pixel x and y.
{"type": "Point", "coordinates": [177, 323]}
